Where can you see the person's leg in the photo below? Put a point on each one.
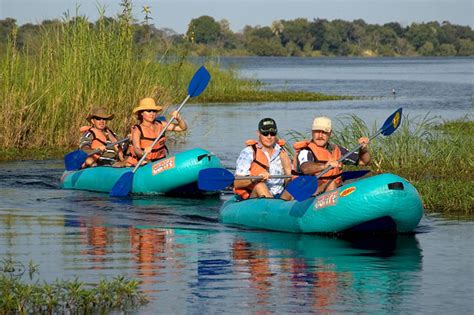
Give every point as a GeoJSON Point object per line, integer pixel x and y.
{"type": "Point", "coordinates": [261, 191]}
{"type": "Point", "coordinates": [286, 196]}
{"type": "Point", "coordinates": [90, 162]}
{"type": "Point", "coordinates": [332, 184]}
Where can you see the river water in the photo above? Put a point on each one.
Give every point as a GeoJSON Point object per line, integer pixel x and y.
{"type": "Point", "coordinates": [188, 262]}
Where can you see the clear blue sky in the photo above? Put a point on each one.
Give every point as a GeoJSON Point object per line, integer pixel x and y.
{"type": "Point", "coordinates": [176, 14]}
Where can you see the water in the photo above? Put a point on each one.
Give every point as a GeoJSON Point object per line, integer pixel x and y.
{"type": "Point", "coordinates": [188, 262]}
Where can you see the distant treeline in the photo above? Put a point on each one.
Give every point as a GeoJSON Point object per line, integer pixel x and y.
{"type": "Point", "coordinates": [299, 37]}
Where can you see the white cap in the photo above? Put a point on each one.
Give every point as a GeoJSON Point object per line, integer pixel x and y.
{"type": "Point", "coordinates": [322, 123]}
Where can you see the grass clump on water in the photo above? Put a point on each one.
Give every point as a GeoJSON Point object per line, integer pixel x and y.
{"type": "Point", "coordinates": [66, 297]}
{"type": "Point", "coordinates": [436, 157]}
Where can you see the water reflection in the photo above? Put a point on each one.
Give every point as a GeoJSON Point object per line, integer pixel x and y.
{"type": "Point", "coordinates": [148, 247]}
{"type": "Point", "coordinates": [327, 274]}
{"type": "Point", "coordinates": [95, 238]}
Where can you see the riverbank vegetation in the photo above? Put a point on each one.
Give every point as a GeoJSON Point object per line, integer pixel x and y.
{"type": "Point", "coordinates": [436, 157]}
{"type": "Point", "coordinates": [30, 296]}
{"type": "Point", "coordinates": [299, 37]}
{"type": "Point", "coordinates": [52, 75]}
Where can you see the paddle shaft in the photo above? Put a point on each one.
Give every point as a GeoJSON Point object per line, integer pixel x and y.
{"type": "Point", "coordinates": [327, 169]}
{"type": "Point", "coordinates": [109, 146]}
{"type": "Point", "coordinates": [161, 133]}
{"type": "Point", "coordinates": [260, 177]}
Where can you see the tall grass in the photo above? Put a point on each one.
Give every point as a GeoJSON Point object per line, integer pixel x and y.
{"type": "Point", "coordinates": [51, 83]}
{"type": "Point", "coordinates": [436, 157]}
{"type": "Point", "coordinates": [49, 86]}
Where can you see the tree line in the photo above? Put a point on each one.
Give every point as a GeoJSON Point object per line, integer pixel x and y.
{"type": "Point", "coordinates": [298, 37]}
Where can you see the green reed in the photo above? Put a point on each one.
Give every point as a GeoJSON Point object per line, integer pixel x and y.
{"type": "Point", "coordinates": [74, 296]}
{"type": "Point", "coordinates": [436, 157]}
{"type": "Point", "coordinates": [50, 84]}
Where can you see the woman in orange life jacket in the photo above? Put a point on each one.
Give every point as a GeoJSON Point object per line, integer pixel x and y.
{"type": "Point", "coordinates": [98, 136]}
{"type": "Point", "coordinates": [264, 157]}
{"type": "Point", "coordinates": [312, 157]}
{"type": "Point", "coordinates": [144, 133]}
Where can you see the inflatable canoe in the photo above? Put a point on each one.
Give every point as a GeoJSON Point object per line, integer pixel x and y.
{"type": "Point", "coordinates": [176, 174]}
{"type": "Point", "coordinates": [382, 203]}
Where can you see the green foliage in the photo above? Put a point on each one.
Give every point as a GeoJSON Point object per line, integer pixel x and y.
{"type": "Point", "coordinates": [298, 37]}
{"type": "Point", "coordinates": [466, 47]}
{"type": "Point", "coordinates": [52, 80]}
{"type": "Point", "coordinates": [69, 297]}
{"type": "Point", "coordinates": [203, 29]}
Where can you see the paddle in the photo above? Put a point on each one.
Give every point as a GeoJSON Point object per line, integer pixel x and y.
{"type": "Point", "coordinates": [389, 126]}
{"type": "Point", "coordinates": [197, 85]}
{"type": "Point", "coordinates": [74, 160]}
{"type": "Point", "coordinates": [219, 178]}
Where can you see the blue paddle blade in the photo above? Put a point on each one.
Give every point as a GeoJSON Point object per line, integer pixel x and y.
{"type": "Point", "coordinates": [199, 82]}
{"type": "Point", "coordinates": [74, 160]}
{"type": "Point", "coordinates": [214, 179]}
{"type": "Point", "coordinates": [302, 187]}
{"type": "Point", "coordinates": [123, 186]}
{"type": "Point", "coordinates": [347, 175]}
{"type": "Point", "coordinates": [392, 122]}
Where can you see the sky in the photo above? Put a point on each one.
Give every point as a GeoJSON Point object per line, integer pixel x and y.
{"type": "Point", "coordinates": [176, 14]}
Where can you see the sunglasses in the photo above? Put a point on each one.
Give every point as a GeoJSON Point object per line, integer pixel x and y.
{"type": "Point", "coordinates": [151, 111]}
{"type": "Point", "coordinates": [266, 133]}
{"type": "Point", "coordinates": [98, 118]}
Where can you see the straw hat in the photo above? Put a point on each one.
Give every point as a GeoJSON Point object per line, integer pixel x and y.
{"type": "Point", "coordinates": [322, 123]}
{"type": "Point", "coordinates": [99, 112]}
{"type": "Point", "coordinates": [147, 103]}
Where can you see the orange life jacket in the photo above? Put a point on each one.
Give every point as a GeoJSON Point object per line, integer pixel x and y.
{"type": "Point", "coordinates": [321, 155]}
{"type": "Point", "coordinates": [259, 164]}
{"type": "Point", "coordinates": [99, 139]}
{"type": "Point", "coordinates": [146, 139]}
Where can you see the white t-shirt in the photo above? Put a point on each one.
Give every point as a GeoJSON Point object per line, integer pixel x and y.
{"type": "Point", "coordinates": [242, 168]}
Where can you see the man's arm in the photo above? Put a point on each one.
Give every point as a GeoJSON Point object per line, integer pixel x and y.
{"type": "Point", "coordinates": [242, 168]}
{"type": "Point", "coordinates": [309, 166]}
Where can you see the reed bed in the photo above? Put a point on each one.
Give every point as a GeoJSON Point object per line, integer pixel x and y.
{"type": "Point", "coordinates": [30, 296]}
{"type": "Point", "coordinates": [436, 157]}
{"type": "Point", "coordinates": [51, 83]}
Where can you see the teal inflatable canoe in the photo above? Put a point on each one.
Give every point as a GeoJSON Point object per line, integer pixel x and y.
{"type": "Point", "coordinates": [382, 203]}
{"type": "Point", "coordinates": [176, 174]}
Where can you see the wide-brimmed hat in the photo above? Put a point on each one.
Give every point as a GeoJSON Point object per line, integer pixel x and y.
{"type": "Point", "coordinates": [147, 103]}
{"type": "Point", "coordinates": [322, 123]}
{"type": "Point", "coordinates": [99, 112]}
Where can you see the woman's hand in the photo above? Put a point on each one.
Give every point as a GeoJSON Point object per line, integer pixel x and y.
{"type": "Point", "coordinates": [177, 116]}
{"type": "Point", "coordinates": [364, 142]}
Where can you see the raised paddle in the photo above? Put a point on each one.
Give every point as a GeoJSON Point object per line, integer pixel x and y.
{"type": "Point", "coordinates": [74, 160]}
{"type": "Point", "coordinates": [198, 84]}
{"type": "Point", "coordinates": [389, 126]}
{"type": "Point", "coordinates": [219, 178]}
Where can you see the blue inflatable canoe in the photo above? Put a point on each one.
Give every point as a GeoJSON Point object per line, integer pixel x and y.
{"type": "Point", "coordinates": [176, 174]}
{"type": "Point", "coordinates": [382, 203]}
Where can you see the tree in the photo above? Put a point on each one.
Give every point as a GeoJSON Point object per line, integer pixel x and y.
{"type": "Point", "coordinates": [396, 27]}
{"type": "Point", "coordinates": [466, 47]}
{"type": "Point", "coordinates": [427, 49]}
{"type": "Point", "coordinates": [447, 50]}
{"type": "Point", "coordinates": [203, 29]}
{"type": "Point", "coordinates": [296, 31]}
{"type": "Point", "coordinates": [419, 34]}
